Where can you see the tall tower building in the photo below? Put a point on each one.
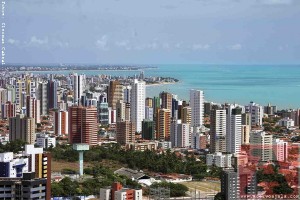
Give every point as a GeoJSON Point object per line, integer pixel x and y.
{"type": "Point", "coordinates": [186, 115]}
{"type": "Point", "coordinates": [78, 87]}
{"type": "Point", "coordinates": [120, 111]}
{"type": "Point", "coordinates": [22, 128]}
{"type": "Point", "coordinates": [256, 112]}
{"type": "Point", "coordinates": [180, 134]}
{"type": "Point", "coordinates": [52, 94]}
{"type": "Point", "coordinates": [148, 130]}
{"type": "Point", "coordinates": [83, 125]}
{"type": "Point", "coordinates": [102, 109]}
{"type": "Point", "coordinates": [61, 119]}
{"type": "Point", "coordinates": [3, 95]}
{"type": "Point", "coordinates": [234, 129]}
{"type": "Point", "coordinates": [125, 132]}
{"type": "Point", "coordinates": [149, 102]}
{"type": "Point", "coordinates": [43, 97]}
{"type": "Point", "coordinates": [261, 146]}
{"type": "Point", "coordinates": [20, 89]}
{"type": "Point", "coordinates": [163, 124]}
{"type": "Point", "coordinates": [197, 105]}
{"type": "Point", "coordinates": [8, 110]}
{"type": "Point", "coordinates": [166, 100]}
{"type": "Point", "coordinates": [33, 109]}
{"type": "Point", "coordinates": [218, 131]}
{"type": "Point", "coordinates": [127, 92]}
{"type": "Point", "coordinates": [137, 103]}
{"type": "Point", "coordinates": [115, 93]}
{"type": "Point", "coordinates": [230, 184]}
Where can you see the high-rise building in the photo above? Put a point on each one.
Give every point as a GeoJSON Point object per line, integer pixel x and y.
{"type": "Point", "coordinates": [26, 175]}
{"type": "Point", "coordinates": [166, 100]}
{"type": "Point", "coordinates": [102, 109]}
{"type": "Point", "coordinates": [149, 102]}
{"type": "Point", "coordinates": [230, 184]}
{"type": "Point", "coordinates": [22, 128]}
{"type": "Point", "coordinates": [180, 134]}
{"type": "Point", "coordinates": [148, 129]}
{"type": "Point", "coordinates": [280, 148]}
{"type": "Point", "coordinates": [233, 129]}
{"type": "Point", "coordinates": [125, 132]}
{"type": "Point", "coordinates": [261, 146]}
{"type": "Point", "coordinates": [61, 119]}
{"type": "Point", "coordinates": [115, 93]}
{"type": "Point", "coordinates": [270, 110]}
{"type": "Point", "coordinates": [120, 111]}
{"type": "Point", "coordinates": [256, 112]}
{"type": "Point", "coordinates": [3, 96]}
{"type": "Point", "coordinates": [83, 126]}
{"type": "Point", "coordinates": [20, 89]}
{"type": "Point", "coordinates": [197, 105]}
{"type": "Point", "coordinates": [245, 134]}
{"type": "Point", "coordinates": [163, 124]}
{"type": "Point", "coordinates": [149, 113]}
{"type": "Point", "coordinates": [42, 95]}
{"type": "Point", "coordinates": [33, 109]}
{"type": "Point", "coordinates": [127, 93]}
{"type": "Point", "coordinates": [11, 93]}
{"type": "Point", "coordinates": [186, 115]}
{"type": "Point", "coordinates": [8, 110]}
{"type": "Point", "coordinates": [52, 94]}
{"type": "Point", "coordinates": [137, 103]}
{"type": "Point", "coordinates": [78, 87]}
{"type": "Point", "coordinates": [218, 130]}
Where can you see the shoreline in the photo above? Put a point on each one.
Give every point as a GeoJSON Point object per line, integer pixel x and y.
{"type": "Point", "coordinates": [165, 83]}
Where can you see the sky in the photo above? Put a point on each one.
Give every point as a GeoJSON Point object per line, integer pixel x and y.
{"type": "Point", "coordinates": [152, 31]}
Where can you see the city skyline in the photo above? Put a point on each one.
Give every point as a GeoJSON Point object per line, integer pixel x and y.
{"type": "Point", "coordinates": [140, 32]}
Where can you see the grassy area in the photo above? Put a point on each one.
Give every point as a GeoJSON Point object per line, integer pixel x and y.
{"type": "Point", "coordinates": [203, 186]}
{"type": "Point", "coordinates": [57, 166]}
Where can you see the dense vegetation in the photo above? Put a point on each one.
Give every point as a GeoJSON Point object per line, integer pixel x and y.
{"type": "Point", "coordinates": [148, 160]}
{"type": "Point", "coordinates": [14, 146]}
{"type": "Point", "coordinates": [100, 177]}
{"type": "Point", "coordinates": [270, 174]}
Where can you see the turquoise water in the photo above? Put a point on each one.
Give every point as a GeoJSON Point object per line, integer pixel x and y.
{"type": "Point", "coordinates": [279, 85]}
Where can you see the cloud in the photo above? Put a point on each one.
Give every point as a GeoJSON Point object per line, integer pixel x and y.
{"type": "Point", "coordinates": [200, 46]}
{"type": "Point", "coordinates": [124, 44]}
{"type": "Point", "coordinates": [13, 41]}
{"type": "Point", "coordinates": [34, 41]}
{"type": "Point", "coordinates": [235, 47]}
{"type": "Point", "coordinates": [102, 43]}
{"type": "Point", "coordinates": [276, 2]}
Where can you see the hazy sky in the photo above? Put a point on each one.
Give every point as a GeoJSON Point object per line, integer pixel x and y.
{"type": "Point", "coordinates": [153, 31]}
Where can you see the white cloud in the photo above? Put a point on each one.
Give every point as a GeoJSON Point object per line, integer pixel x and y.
{"type": "Point", "coordinates": [200, 46]}
{"type": "Point", "coordinates": [124, 44]}
{"type": "Point", "coordinates": [275, 2]}
{"type": "Point", "coordinates": [13, 41]}
{"type": "Point", "coordinates": [235, 47]}
{"type": "Point", "coordinates": [38, 42]}
{"type": "Point", "coordinates": [102, 43]}
{"type": "Point", "coordinates": [178, 45]}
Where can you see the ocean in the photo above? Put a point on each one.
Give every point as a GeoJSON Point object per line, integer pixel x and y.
{"type": "Point", "coordinates": [262, 84]}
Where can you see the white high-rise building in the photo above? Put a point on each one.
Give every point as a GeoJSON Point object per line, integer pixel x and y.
{"type": "Point", "coordinates": [197, 105]}
{"type": "Point", "coordinates": [180, 134]}
{"type": "Point", "coordinates": [261, 146]}
{"type": "Point", "coordinates": [257, 112]}
{"type": "Point", "coordinates": [137, 103]}
{"type": "Point", "coordinates": [78, 87]}
{"type": "Point", "coordinates": [234, 129]}
{"type": "Point", "coordinates": [218, 130]}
